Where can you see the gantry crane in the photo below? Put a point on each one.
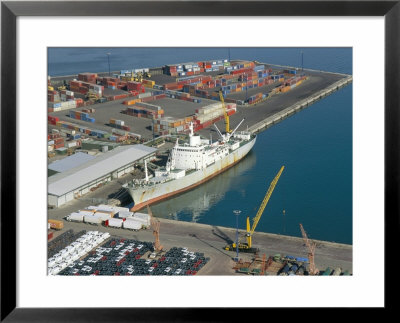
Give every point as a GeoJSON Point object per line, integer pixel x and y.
{"type": "Point", "coordinates": [247, 247]}
{"type": "Point", "coordinates": [155, 225]}
{"type": "Point", "coordinates": [311, 252]}
{"type": "Point", "coordinates": [227, 127]}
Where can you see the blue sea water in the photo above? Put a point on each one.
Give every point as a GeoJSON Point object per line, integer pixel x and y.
{"type": "Point", "coordinates": [315, 145]}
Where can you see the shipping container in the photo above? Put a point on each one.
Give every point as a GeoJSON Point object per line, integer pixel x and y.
{"type": "Point", "coordinates": [132, 224]}
{"type": "Point", "coordinates": [114, 222]}
{"type": "Point", "coordinates": [56, 224]}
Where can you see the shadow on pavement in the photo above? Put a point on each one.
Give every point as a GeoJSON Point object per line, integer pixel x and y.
{"type": "Point", "coordinates": [210, 245]}
{"type": "Point", "coordinates": [217, 232]}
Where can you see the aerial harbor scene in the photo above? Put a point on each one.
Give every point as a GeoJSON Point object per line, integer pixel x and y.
{"type": "Point", "coordinates": [199, 161]}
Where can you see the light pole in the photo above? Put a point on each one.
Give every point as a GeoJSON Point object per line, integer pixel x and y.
{"type": "Point", "coordinates": [237, 212]}
{"type": "Point", "coordinates": [302, 60]}
{"type": "Point", "coordinates": [108, 56]}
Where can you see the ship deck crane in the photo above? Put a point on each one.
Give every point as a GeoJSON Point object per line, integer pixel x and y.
{"type": "Point", "coordinates": [247, 247]}
{"type": "Point", "coordinates": [227, 127]}
{"type": "Point", "coordinates": [155, 225]}
{"type": "Point", "coordinates": [311, 252]}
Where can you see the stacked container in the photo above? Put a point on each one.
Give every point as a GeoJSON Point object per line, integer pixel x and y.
{"type": "Point", "coordinates": [53, 96]}
{"type": "Point", "coordinates": [168, 125]}
{"type": "Point", "coordinates": [81, 116]}
{"type": "Point", "coordinates": [135, 86]}
{"type": "Point", "coordinates": [88, 77]}
{"type": "Point", "coordinates": [119, 124]}
{"type": "Point", "coordinates": [141, 112]}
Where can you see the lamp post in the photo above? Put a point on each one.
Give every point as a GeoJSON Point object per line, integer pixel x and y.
{"type": "Point", "coordinates": [237, 212]}
{"type": "Point", "coordinates": [108, 56]}
{"type": "Point", "coordinates": [302, 60]}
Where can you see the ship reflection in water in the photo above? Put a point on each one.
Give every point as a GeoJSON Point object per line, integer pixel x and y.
{"type": "Point", "coordinates": [194, 204]}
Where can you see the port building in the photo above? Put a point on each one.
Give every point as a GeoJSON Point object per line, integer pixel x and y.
{"type": "Point", "coordinates": [67, 163]}
{"type": "Point", "coordinates": [78, 181]}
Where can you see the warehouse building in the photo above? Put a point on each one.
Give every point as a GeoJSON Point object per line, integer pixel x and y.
{"type": "Point", "coordinates": [67, 163]}
{"type": "Point", "coordinates": [75, 182]}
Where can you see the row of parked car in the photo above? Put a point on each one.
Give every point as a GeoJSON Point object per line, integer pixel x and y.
{"type": "Point", "coordinates": [127, 257]}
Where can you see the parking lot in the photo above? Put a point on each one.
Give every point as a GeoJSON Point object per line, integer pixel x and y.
{"type": "Point", "coordinates": [132, 257]}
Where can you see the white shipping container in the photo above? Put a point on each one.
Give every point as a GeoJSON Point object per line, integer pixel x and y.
{"type": "Point", "coordinates": [144, 95]}
{"type": "Point", "coordinates": [78, 217]}
{"type": "Point", "coordinates": [121, 209]}
{"type": "Point", "coordinates": [103, 216]}
{"type": "Point", "coordinates": [85, 212]}
{"type": "Point", "coordinates": [71, 144]}
{"type": "Point", "coordinates": [116, 223]}
{"type": "Point", "coordinates": [93, 219]}
{"type": "Point", "coordinates": [132, 224]}
{"type": "Point", "coordinates": [50, 148]}
{"type": "Point", "coordinates": [104, 207]}
{"type": "Point", "coordinates": [124, 214]}
{"type": "Point", "coordinates": [119, 132]}
{"type": "Point", "coordinates": [91, 207]}
{"type": "Point", "coordinates": [143, 217]}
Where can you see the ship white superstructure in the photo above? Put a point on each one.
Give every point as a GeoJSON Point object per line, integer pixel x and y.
{"type": "Point", "coordinates": [191, 164]}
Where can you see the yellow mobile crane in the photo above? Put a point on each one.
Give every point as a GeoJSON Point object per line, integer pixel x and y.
{"type": "Point", "coordinates": [247, 247]}
{"type": "Point", "coordinates": [227, 128]}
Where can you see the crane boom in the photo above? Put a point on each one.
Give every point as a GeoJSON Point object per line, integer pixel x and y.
{"type": "Point", "coordinates": [249, 231]}
{"type": "Point", "coordinates": [311, 251]}
{"type": "Point", "coordinates": [155, 224]}
{"type": "Point", "coordinates": [263, 205]}
{"type": "Point", "coordinates": [266, 199]}
{"type": "Point", "coordinates": [227, 127]}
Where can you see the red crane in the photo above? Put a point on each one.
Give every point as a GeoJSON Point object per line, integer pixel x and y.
{"type": "Point", "coordinates": [155, 225]}
{"type": "Point", "coordinates": [311, 252]}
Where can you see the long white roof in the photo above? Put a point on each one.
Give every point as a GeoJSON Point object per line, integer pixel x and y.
{"type": "Point", "coordinates": [70, 162]}
{"type": "Point", "coordinates": [62, 183]}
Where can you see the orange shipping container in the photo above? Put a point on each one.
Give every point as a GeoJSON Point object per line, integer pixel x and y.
{"type": "Point", "coordinates": [56, 224]}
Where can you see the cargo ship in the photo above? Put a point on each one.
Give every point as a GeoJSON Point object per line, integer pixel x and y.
{"type": "Point", "coordinates": [191, 164]}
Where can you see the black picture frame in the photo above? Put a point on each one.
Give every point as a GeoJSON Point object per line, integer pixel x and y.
{"type": "Point", "coordinates": [10, 10]}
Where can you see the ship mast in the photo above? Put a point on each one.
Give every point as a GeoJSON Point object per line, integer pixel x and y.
{"type": "Point", "coordinates": [171, 158]}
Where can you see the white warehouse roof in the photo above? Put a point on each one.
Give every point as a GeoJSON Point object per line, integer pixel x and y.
{"type": "Point", "coordinates": [70, 162]}
{"type": "Point", "coordinates": [62, 183]}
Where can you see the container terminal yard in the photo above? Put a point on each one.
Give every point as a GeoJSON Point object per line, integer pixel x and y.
{"type": "Point", "coordinates": [107, 129]}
